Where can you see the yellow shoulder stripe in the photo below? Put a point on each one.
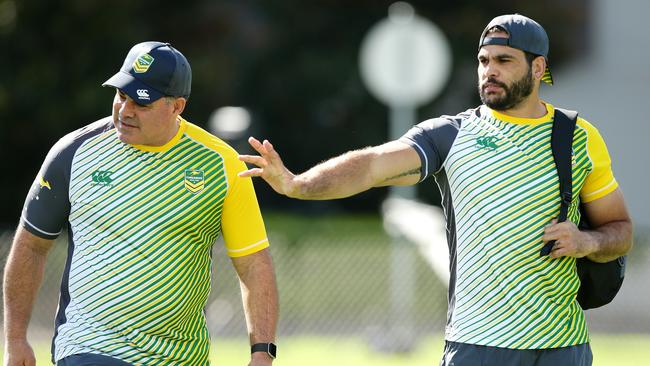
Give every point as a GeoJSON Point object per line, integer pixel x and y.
{"type": "Point", "coordinates": [600, 181]}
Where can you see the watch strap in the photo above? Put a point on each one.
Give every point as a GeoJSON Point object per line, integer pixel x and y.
{"type": "Point", "coordinates": [269, 348]}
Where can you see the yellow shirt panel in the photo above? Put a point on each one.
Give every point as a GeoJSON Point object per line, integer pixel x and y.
{"type": "Point", "coordinates": [600, 182]}
{"type": "Point", "coordinates": [242, 225]}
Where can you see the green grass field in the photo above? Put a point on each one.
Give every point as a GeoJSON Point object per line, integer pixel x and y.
{"type": "Point", "coordinates": [609, 350]}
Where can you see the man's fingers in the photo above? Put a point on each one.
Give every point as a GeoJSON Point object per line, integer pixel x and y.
{"type": "Point", "coordinates": [566, 249]}
{"type": "Point", "coordinates": [551, 231]}
{"type": "Point", "coordinates": [549, 235]}
{"type": "Point", "coordinates": [557, 253]}
{"type": "Point", "coordinates": [272, 155]}
{"type": "Point", "coordinates": [255, 172]}
{"type": "Point", "coordinates": [264, 148]}
{"type": "Point", "coordinates": [553, 222]}
{"type": "Point", "coordinates": [257, 145]}
{"type": "Point", "coordinates": [254, 159]}
{"type": "Point", "coordinates": [268, 145]}
{"type": "Point", "coordinates": [253, 141]}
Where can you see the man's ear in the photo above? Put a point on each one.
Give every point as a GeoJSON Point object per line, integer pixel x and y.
{"type": "Point", "coordinates": [539, 67]}
{"type": "Point", "coordinates": [179, 105]}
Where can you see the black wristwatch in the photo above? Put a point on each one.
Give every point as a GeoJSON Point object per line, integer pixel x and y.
{"type": "Point", "coordinates": [269, 348]}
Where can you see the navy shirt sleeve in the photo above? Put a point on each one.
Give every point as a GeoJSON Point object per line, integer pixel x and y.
{"type": "Point", "coordinates": [432, 139]}
{"type": "Point", "coordinates": [47, 205]}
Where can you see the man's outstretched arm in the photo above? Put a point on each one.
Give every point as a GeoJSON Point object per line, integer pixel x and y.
{"type": "Point", "coordinates": [393, 163]}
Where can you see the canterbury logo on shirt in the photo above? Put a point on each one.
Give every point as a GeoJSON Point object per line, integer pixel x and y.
{"type": "Point", "coordinates": [487, 142]}
{"type": "Point", "coordinates": [102, 177]}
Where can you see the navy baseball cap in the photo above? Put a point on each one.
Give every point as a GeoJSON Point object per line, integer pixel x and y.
{"type": "Point", "coordinates": [151, 71]}
{"type": "Point", "coordinates": [523, 33]}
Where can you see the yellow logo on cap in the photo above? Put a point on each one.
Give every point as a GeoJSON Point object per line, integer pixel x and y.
{"type": "Point", "coordinates": [142, 63]}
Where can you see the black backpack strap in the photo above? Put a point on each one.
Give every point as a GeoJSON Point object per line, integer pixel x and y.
{"type": "Point", "coordinates": [564, 123]}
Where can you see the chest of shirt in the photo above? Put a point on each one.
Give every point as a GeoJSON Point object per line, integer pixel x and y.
{"type": "Point", "coordinates": [117, 183]}
{"type": "Point", "coordinates": [493, 150]}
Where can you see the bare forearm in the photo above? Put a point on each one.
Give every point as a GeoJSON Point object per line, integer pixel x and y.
{"type": "Point", "coordinates": [611, 241]}
{"type": "Point", "coordinates": [22, 278]}
{"type": "Point", "coordinates": [393, 163]}
{"type": "Point", "coordinates": [261, 304]}
{"type": "Point", "coordinates": [260, 298]}
{"type": "Point", "coordinates": [339, 177]}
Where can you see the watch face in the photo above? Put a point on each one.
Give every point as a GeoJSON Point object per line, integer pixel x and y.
{"type": "Point", "coordinates": [272, 350]}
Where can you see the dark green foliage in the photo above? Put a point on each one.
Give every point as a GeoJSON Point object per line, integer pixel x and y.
{"type": "Point", "coordinates": [294, 64]}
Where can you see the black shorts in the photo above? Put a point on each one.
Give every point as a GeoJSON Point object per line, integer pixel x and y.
{"type": "Point", "coordinates": [462, 354]}
{"type": "Point", "coordinates": [91, 359]}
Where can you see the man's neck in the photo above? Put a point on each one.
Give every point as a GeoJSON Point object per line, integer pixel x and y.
{"type": "Point", "coordinates": [532, 107]}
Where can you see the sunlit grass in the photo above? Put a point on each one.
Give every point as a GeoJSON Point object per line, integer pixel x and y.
{"type": "Point", "coordinates": [609, 350]}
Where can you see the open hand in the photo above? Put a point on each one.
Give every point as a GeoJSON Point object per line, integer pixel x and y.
{"type": "Point", "coordinates": [269, 167]}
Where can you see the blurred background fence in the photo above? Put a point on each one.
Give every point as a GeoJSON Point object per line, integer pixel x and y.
{"type": "Point", "coordinates": [333, 274]}
{"type": "Point", "coordinates": [333, 280]}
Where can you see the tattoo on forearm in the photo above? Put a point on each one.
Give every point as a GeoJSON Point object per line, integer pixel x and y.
{"type": "Point", "coordinates": [410, 172]}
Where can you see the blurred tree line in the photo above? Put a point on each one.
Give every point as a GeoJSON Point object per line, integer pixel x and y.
{"type": "Point", "coordinates": [293, 64]}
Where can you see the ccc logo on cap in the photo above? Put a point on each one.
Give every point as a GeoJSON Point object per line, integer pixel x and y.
{"type": "Point", "coordinates": [142, 63]}
{"type": "Point", "coordinates": [143, 94]}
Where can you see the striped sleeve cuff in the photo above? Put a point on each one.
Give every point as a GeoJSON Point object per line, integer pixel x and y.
{"type": "Point", "coordinates": [250, 249]}
{"type": "Point", "coordinates": [602, 192]}
{"type": "Point", "coordinates": [38, 231]}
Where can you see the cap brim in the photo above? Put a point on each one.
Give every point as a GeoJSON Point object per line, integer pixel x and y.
{"type": "Point", "coordinates": [547, 77]}
{"type": "Point", "coordinates": [140, 92]}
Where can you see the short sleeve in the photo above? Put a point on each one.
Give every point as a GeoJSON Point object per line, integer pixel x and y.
{"type": "Point", "coordinates": [600, 181]}
{"type": "Point", "coordinates": [47, 205]}
{"type": "Point", "coordinates": [242, 225]}
{"type": "Point", "coordinates": [432, 139]}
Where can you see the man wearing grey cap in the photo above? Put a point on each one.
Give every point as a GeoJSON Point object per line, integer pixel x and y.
{"type": "Point", "coordinates": [144, 194]}
{"type": "Point", "coordinates": [494, 167]}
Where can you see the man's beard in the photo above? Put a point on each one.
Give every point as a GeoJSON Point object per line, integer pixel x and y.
{"type": "Point", "coordinates": [513, 95]}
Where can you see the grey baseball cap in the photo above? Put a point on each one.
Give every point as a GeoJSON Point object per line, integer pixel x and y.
{"type": "Point", "coordinates": [523, 33]}
{"type": "Point", "coordinates": [153, 70]}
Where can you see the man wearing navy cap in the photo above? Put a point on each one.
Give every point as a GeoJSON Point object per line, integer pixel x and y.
{"type": "Point", "coordinates": [494, 167]}
{"type": "Point", "coordinates": [144, 194]}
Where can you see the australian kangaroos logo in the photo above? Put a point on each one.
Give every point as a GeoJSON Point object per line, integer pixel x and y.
{"type": "Point", "coordinates": [142, 63]}
{"type": "Point", "coordinates": [194, 180]}
{"type": "Point", "coordinates": [487, 143]}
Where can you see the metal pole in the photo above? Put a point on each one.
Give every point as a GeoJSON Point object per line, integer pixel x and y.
{"type": "Point", "coordinates": [402, 264]}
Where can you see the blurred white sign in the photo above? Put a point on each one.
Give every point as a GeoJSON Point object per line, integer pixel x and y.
{"type": "Point", "coordinates": [405, 59]}
{"type": "Point", "coordinates": [229, 123]}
